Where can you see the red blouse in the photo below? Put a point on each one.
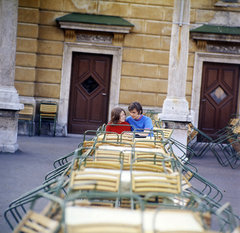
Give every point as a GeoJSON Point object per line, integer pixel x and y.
{"type": "Point", "coordinates": [119, 128]}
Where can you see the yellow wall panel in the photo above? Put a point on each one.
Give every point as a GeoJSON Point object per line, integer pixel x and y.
{"type": "Point", "coordinates": [55, 5]}
{"type": "Point", "coordinates": [28, 15]}
{"type": "Point", "coordinates": [146, 12]}
{"type": "Point", "coordinates": [165, 43]}
{"type": "Point", "coordinates": [160, 99]}
{"type": "Point", "coordinates": [113, 8]}
{"type": "Point", "coordinates": [162, 2]}
{"type": "Point", "coordinates": [48, 76]}
{"type": "Point", "coordinates": [153, 85]}
{"type": "Point", "coordinates": [49, 18]}
{"type": "Point", "coordinates": [156, 57]}
{"type": "Point", "coordinates": [191, 57]}
{"type": "Point", "coordinates": [189, 74]}
{"type": "Point", "coordinates": [29, 3]}
{"type": "Point", "coordinates": [130, 83]}
{"type": "Point", "coordinates": [51, 33]}
{"type": "Point", "coordinates": [139, 25]}
{"type": "Point", "coordinates": [192, 16]}
{"type": "Point", "coordinates": [27, 30]}
{"type": "Point", "coordinates": [127, 97]}
{"type": "Point", "coordinates": [90, 7]}
{"type": "Point", "coordinates": [134, 1]}
{"type": "Point", "coordinates": [26, 45]}
{"type": "Point", "coordinates": [25, 59]}
{"type": "Point", "coordinates": [204, 15]}
{"type": "Point", "coordinates": [47, 61]}
{"type": "Point", "coordinates": [167, 14]}
{"type": "Point", "coordinates": [25, 74]}
{"type": "Point", "coordinates": [163, 70]}
{"type": "Point", "coordinates": [188, 88]}
{"type": "Point", "coordinates": [24, 88]}
{"type": "Point", "coordinates": [47, 90]}
{"type": "Point", "coordinates": [133, 55]}
{"type": "Point", "coordinates": [140, 70]}
{"type": "Point", "coordinates": [142, 41]}
{"type": "Point", "coordinates": [201, 4]}
{"type": "Point", "coordinates": [50, 47]}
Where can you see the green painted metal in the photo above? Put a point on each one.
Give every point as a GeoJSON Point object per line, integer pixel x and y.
{"type": "Point", "coordinates": [217, 30]}
{"type": "Point", "coordinates": [94, 19]}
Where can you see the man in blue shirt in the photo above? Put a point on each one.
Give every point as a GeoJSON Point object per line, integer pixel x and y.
{"type": "Point", "coordinates": [139, 121]}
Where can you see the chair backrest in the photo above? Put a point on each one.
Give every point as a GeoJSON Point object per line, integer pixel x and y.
{"type": "Point", "coordinates": [159, 160]}
{"type": "Point", "coordinates": [48, 109]}
{"type": "Point", "coordinates": [94, 180]}
{"type": "Point", "coordinates": [104, 227]}
{"type": "Point", "coordinates": [113, 156]}
{"type": "Point", "coordinates": [192, 133]}
{"type": "Point", "coordinates": [35, 222]}
{"type": "Point", "coordinates": [102, 165]}
{"type": "Point", "coordinates": [26, 113]}
{"type": "Point", "coordinates": [156, 182]}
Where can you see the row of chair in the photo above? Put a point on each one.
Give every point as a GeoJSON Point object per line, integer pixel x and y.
{"type": "Point", "coordinates": [97, 172]}
{"type": "Point", "coordinates": [47, 113]}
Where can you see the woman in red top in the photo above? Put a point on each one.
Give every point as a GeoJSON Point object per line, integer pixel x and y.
{"type": "Point", "coordinates": [118, 116]}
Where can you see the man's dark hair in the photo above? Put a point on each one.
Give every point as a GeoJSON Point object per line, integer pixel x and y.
{"type": "Point", "coordinates": [137, 106]}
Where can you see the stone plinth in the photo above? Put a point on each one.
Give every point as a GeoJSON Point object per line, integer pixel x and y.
{"type": "Point", "coordinates": [9, 99]}
{"type": "Point", "coordinates": [9, 107]}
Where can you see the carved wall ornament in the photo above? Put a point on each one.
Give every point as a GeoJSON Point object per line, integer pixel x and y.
{"type": "Point", "coordinates": [70, 35]}
{"type": "Point", "coordinates": [118, 39]}
{"type": "Point", "coordinates": [201, 45]}
{"type": "Point", "coordinates": [223, 49]}
{"type": "Point", "coordinates": [94, 38]}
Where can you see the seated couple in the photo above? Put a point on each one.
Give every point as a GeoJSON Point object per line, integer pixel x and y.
{"type": "Point", "coordinates": [136, 120]}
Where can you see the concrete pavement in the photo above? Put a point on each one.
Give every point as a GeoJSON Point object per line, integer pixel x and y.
{"type": "Point", "coordinates": [26, 168]}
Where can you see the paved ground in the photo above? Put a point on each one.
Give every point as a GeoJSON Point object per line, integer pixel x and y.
{"type": "Point", "coordinates": [25, 169]}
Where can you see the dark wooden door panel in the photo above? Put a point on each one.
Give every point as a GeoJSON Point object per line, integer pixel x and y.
{"type": "Point", "coordinates": [218, 96]}
{"type": "Point", "coordinates": [89, 92]}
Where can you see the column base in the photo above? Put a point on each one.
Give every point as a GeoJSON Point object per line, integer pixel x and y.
{"type": "Point", "coordinates": [175, 109]}
{"type": "Point", "coordinates": [9, 148]}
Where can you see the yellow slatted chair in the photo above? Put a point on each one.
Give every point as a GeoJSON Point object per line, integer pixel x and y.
{"type": "Point", "coordinates": [26, 115]}
{"type": "Point", "coordinates": [113, 156]}
{"type": "Point", "coordinates": [102, 181]}
{"type": "Point", "coordinates": [35, 222]}
{"type": "Point", "coordinates": [154, 159]}
{"type": "Point", "coordinates": [104, 228]}
{"type": "Point", "coordinates": [158, 182]}
{"type": "Point", "coordinates": [48, 112]}
{"type": "Point", "coordinates": [192, 133]}
{"type": "Point", "coordinates": [167, 132]}
{"type": "Point", "coordinates": [113, 139]}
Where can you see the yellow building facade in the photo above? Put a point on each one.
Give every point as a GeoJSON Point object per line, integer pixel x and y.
{"type": "Point", "coordinates": [139, 56]}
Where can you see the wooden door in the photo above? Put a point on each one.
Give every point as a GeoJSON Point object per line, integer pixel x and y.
{"type": "Point", "coordinates": [89, 92]}
{"type": "Point", "coordinates": [219, 93]}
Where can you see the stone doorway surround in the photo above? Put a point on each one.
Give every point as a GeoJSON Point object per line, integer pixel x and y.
{"type": "Point", "coordinates": [69, 48]}
{"type": "Point", "coordinates": [201, 57]}
{"type": "Point", "coordinates": [91, 42]}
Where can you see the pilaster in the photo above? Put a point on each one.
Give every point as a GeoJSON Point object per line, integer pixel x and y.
{"type": "Point", "coordinates": [9, 98]}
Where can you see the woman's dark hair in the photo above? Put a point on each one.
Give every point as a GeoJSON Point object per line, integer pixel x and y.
{"type": "Point", "coordinates": [115, 115]}
{"type": "Point", "coordinates": [137, 106]}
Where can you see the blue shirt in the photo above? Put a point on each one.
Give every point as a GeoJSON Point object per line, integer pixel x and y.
{"type": "Point", "coordinates": [142, 123]}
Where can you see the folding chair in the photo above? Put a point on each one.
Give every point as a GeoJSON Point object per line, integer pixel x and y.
{"type": "Point", "coordinates": [99, 221]}
{"type": "Point", "coordinates": [44, 221]}
{"type": "Point", "coordinates": [18, 208]}
{"type": "Point", "coordinates": [48, 113]}
{"type": "Point", "coordinates": [26, 115]}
